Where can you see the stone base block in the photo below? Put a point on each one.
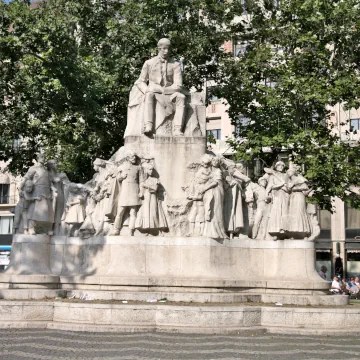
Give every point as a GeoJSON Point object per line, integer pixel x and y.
{"type": "Point", "coordinates": [187, 319]}
{"type": "Point", "coordinates": [286, 266]}
{"type": "Point", "coordinates": [185, 269]}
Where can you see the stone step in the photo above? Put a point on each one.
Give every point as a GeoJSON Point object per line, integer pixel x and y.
{"type": "Point", "coordinates": [186, 318]}
{"type": "Point", "coordinates": [176, 297]}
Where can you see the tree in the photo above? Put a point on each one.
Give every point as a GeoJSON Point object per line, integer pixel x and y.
{"type": "Point", "coordinates": [67, 68]}
{"type": "Point", "coordinates": [301, 56]}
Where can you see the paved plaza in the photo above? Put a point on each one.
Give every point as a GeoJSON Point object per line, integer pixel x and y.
{"type": "Point", "coordinates": [57, 345]}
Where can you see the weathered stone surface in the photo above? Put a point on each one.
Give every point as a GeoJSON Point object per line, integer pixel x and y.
{"type": "Point", "coordinates": [191, 319]}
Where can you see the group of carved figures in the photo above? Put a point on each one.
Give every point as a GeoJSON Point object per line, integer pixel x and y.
{"type": "Point", "coordinates": [118, 194]}
{"type": "Point", "coordinates": [125, 197]}
{"type": "Point", "coordinates": [223, 196]}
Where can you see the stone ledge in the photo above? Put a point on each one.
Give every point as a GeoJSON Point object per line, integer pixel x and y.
{"type": "Point", "coordinates": [178, 241]}
{"type": "Point", "coordinates": [195, 282]}
{"type": "Point", "coordinates": [186, 319]}
{"type": "Point", "coordinates": [21, 238]}
{"type": "Point", "coordinates": [180, 296]}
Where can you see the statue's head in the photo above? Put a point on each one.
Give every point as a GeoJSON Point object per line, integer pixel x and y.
{"type": "Point", "coordinates": [148, 168]}
{"type": "Point", "coordinates": [216, 161]}
{"type": "Point", "coordinates": [291, 172]}
{"type": "Point", "coordinates": [29, 186]}
{"type": "Point", "coordinates": [131, 157]}
{"type": "Point", "coordinates": [164, 46]}
{"type": "Point", "coordinates": [52, 164]}
{"type": "Point", "coordinates": [280, 166]}
{"type": "Point", "coordinates": [262, 182]}
{"type": "Point", "coordinates": [40, 159]}
{"type": "Point", "coordinates": [206, 160]}
{"type": "Point", "coordinates": [98, 163]}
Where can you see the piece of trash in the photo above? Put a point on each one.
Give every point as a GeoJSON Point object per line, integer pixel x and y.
{"type": "Point", "coordinates": [85, 297]}
{"type": "Point", "coordinates": [278, 304]}
{"type": "Point", "coordinates": [124, 302]}
{"type": "Point", "coordinates": [73, 296]}
{"type": "Point", "coordinates": [58, 298]}
{"type": "Point", "coordinates": [163, 300]}
{"type": "Point", "coordinates": [151, 300]}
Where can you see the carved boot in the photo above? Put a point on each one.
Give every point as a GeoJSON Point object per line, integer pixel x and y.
{"type": "Point", "coordinates": [177, 131]}
{"type": "Point", "coordinates": [148, 129]}
{"type": "Point", "coordinates": [115, 232]}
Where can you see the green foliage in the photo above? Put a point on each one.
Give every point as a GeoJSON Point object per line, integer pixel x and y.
{"type": "Point", "coordinates": [302, 56]}
{"type": "Point", "coordinates": [67, 68]}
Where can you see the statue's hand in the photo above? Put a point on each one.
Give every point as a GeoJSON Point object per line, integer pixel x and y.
{"type": "Point", "coordinates": [155, 88]}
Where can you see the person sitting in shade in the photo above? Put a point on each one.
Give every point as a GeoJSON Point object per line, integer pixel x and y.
{"type": "Point", "coordinates": [323, 271]}
{"type": "Point", "coordinates": [336, 286]}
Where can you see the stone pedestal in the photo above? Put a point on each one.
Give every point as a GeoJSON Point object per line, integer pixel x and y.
{"type": "Point", "coordinates": [179, 268]}
{"type": "Point", "coordinates": [172, 155]}
{"type": "Point", "coordinates": [279, 267]}
{"type": "Point", "coordinates": [30, 263]}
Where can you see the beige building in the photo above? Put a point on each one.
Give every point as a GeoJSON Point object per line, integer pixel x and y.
{"type": "Point", "coordinates": [9, 197]}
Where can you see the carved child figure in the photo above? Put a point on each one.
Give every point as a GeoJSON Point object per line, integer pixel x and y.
{"type": "Point", "coordinates": [194, 192]}
{"type": "Point", "coordinates": [22, 208]}
{"type": "Point", "coordinates": [75, 209]}
{"type": "Point", "coordinates": [151, 215]}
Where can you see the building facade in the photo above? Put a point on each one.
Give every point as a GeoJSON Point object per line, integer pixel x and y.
{"type": "Point", "coordinates": [9, 196]}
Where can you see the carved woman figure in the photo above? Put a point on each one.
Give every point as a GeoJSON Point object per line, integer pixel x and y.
{"type": "Point", "coordinates": [75, 209]}
{"type": "Point", "coordinates": [60, 183]}
{"type": "Point", "coordinates": [278, 197]}
{"type": "Point", "coordinates": [298, 225]}
{"type": "Point", "coordinates": [214, 200]}
{"type": "Point", "coordinates": [233, 211]}
{"type": "Point", "coordinates": [258, 209]}
{"type": "Point", "coordinates": [150, 215]}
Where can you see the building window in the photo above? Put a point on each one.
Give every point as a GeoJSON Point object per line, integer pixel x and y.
{"type": "Point", "coordinates": [239, 48]}
{"type": "Point", "coordinates": [216, 133]}
{"type": "Point", "coordinates": [324, 218]}
{"type": "Point", "coordinates": [355, 124]}
{"type": "Point", "coordinates": [352, 222]}
{"type": "Point", "coordinates": [4, 193]}
{"type": "Point", "coordinates": [6, 225]}
{"type": "Point", "coordinates": [241, 121]}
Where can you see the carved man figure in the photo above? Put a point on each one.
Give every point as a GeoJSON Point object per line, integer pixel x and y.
{"type": "Point", "coordinates": [41, 210]}
{"type": "Point", "coordinates": [128, 177]}
{"type": "Point", "coordinates": [161, 81]}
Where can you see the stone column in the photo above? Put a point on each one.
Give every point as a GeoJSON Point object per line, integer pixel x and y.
{"type": "Point", "coordinates": [338, 231]}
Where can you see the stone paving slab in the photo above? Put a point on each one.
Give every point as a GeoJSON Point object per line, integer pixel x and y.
{"type": "Point", "coordinates": [19, 344]}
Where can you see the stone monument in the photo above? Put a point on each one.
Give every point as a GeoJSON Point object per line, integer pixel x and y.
{"type": "Point", "coordinates": [164, 214]}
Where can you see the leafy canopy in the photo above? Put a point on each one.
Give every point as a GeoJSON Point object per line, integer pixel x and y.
{"type": "Point", "coordinates": [299, 58]}
{"type": "Point", "coordinates": [67, 68]}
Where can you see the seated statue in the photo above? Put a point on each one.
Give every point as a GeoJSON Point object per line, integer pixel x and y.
{"type": "Point", "coordinates": [159, 103]}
